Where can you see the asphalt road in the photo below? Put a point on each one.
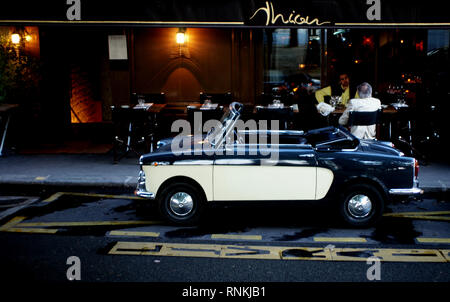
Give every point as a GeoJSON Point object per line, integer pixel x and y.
{"type": "Point", "coordinates": [121, 239]}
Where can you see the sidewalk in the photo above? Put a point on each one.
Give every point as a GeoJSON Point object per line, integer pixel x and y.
{"type": "Point", "coordinates": [97, 170]}
{"type": "Point", "coordinates": [69, 170]}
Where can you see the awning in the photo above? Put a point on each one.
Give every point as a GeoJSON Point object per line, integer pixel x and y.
{"type": "Point", "coordinates": [228, 13]}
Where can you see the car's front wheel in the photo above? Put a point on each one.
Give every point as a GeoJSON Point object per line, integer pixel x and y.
{"type": "Point", "coordinates": [362, 205]}
{"type": "Point", "coordinates": [181, 203]}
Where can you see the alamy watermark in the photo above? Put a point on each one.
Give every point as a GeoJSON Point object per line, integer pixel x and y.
{"type": "Point", "coordinates": [74, 270]}
{"type": "Point", "coordinates": [239, 138]}
{"type": "Point", "coordinates": [374, 271]}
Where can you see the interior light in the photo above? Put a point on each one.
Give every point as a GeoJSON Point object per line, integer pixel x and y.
{"type": "Point", "coordinates": [181, 36]}
{"type": "Point", "coordinates": [15, 38]}
{"type": "Point", "coordinates": [28, 38]}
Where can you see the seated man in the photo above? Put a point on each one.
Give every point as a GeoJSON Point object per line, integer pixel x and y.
{"type": "Point", "coordinates": [366, 103]}
{"type": "Point", "coordinates": [342, 89]}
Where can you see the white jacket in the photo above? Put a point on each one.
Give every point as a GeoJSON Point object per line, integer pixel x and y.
{"type": "Point", "coordinates": [367, 104]}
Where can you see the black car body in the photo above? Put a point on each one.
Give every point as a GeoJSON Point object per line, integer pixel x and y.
{"type": "Point", "coordinates": [235, 164]}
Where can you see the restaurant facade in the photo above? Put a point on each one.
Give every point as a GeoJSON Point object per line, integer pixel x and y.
{"type": "Point", "coordinates": [69, 63]}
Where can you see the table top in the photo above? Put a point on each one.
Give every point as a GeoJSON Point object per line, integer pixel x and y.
{"type": "Point", "coordinates": [388, 110]}
{"type": "Point", "coordinates": [150, 107]}
{"type": "Point", "coordinates": [294, 108]}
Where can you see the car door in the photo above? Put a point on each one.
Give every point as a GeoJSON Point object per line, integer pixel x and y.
{"type": "Point", "coordinates": [255, 173]}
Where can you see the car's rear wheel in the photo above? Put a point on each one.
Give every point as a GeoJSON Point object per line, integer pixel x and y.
{"type": "Point", "coordinates": [361, 205]}
{"type": "Point", "coordinates": [181, 203]}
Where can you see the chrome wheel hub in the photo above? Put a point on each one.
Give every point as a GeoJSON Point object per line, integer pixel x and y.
{"type": "Point", "coordinates": [181, 204]}
{"type": "Point", "coordinates": [359, 206]}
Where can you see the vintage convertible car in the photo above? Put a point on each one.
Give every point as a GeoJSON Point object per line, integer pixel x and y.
{"type": "Point", "coordinates": [359, 176]}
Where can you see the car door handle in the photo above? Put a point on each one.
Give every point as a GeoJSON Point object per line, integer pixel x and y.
{"type": "Point", "coordinates": [309, 155]}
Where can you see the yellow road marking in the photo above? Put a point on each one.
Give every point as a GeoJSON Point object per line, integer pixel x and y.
{"type": "Point", "coordinates": [446, 254]}
{"type": "Point", "coordinates": [85, 223]}
{"type": "Point", "coordinates": [130, 233]}
{"type": "Point", "coordinates": [419, 213]}
{"type": "Point", "coordinates": [430, 215]}
{"type": "Point", "coordinates": [31, 230]}
{"type": "Point", "coordinates": [388, 255]}
{"type": "Point", "coordinates": [245, 237]}
{"type": "Point", "coordinates": [278, 253]}
{"type": "Point", "coordinates": [424, 217]}
{"type": "Point", "coordinates": [54, 197]}
{"type": "Point", "coordinates": [432, 240]}
{"type": "Point", "coordinates": [340, 239]}
{"type": "Point", "coordinates": [13, 222]}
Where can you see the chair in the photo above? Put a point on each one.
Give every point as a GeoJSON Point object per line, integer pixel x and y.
{"type": "Point", "coordinates": [283, 115]}
{"type": "Point", "coordinates": [364, 118]}
{"type": "Point", "coordinates": [207, 114]}
{"type": "Point", "coordinates": [219, 98]}
{"type": "Point", "coordinates": [132, 128]}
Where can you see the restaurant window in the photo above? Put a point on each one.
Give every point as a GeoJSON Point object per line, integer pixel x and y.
{"type": "Point", "coordinates": [292, 57]}
{"type": "Point", "coordinates": [438, 65]}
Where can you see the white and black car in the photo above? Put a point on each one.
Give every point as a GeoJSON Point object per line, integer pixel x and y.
{"type": "Point", "coordinates": [322, 164]}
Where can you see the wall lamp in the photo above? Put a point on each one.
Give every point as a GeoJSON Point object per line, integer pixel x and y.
{"type": "Point", "coordinates": [16, 37]}
{"type": "Point", "coordinates": [181, 36]}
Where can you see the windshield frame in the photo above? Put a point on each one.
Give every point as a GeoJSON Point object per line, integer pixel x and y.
{"type": "Point", "coordinates": [217, 136]}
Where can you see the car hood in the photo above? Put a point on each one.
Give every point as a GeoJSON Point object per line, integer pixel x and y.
{"type": "Point", "coordinates": [174, 148]}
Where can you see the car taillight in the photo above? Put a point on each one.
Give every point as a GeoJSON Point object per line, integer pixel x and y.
{"type": "Point", "coordinates": [416, 168]}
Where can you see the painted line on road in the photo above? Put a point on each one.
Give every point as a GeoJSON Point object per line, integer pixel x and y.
{"type": "Point", "coordinates": [446, 254]}
{"type": "Point", "coordinates": [433, 240]}
{"type": "Point", "coordinates": [53, 197]}
{"type": "Point", "coordinates": [131, 233]}
{"type": "Point", "coordinates": [425, 215]}
{"type": "Point", "coordinates": [85, 223]}
{"type": "Point", "coordinates": [11, 226]}
{"type": "Point", "coordinates": [419, 213]}
{"type": "Point", "coordinates": [32, 230]}
{"type": "Point", "coordinates": [340, 239]}
{"type": "Point", "coordinates": [13, 222]}
{"type": "Point", "coordinates": [277, 252]}
{"type": "Point", "coordinates": [236, 237]}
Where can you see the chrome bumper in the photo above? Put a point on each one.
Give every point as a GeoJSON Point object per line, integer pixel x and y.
{"type": "Point", "coordinates": [141, 191]}
{"type": "Point", "coordinates": [410, 191]}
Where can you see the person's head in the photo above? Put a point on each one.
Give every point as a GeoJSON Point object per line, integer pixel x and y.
{"type": "Point", "coordinates": [344, 80]}
{"type": "Point", "coordinates": [364, 90]}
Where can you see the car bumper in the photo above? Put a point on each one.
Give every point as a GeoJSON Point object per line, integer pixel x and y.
{"type": "Point", "coordinates": [141, 190]}
{"type": "Point", "coordinates": [408, 191]}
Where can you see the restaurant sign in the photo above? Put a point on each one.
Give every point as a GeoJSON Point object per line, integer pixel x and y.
{"type": "Point", "coordinates": [274, 18]}
{"type": "Point", "coordinates": [229, 13]}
